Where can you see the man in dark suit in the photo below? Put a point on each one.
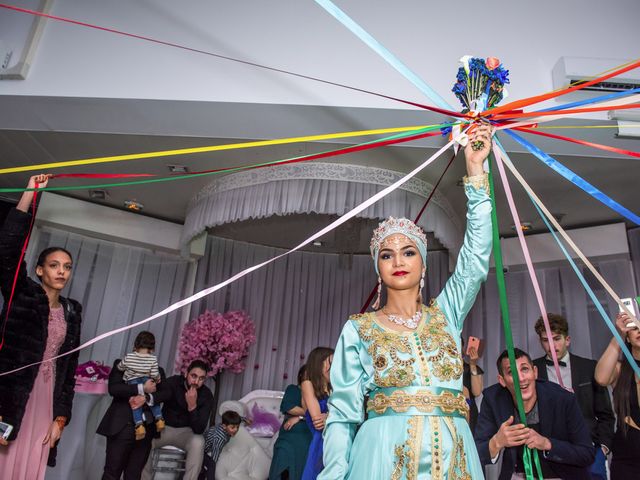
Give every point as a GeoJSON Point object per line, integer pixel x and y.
{"type": "Point", "coordinates": [555, 426]}
{"type": "Point", "coordinates": [124, 453]}
{"type": "Point", "coordinates": [577, 375]}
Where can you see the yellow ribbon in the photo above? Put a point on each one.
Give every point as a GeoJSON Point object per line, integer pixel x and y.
{"type": "Point", "coordinates": [213, 148]}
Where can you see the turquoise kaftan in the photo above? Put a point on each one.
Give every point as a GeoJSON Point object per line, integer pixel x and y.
{"type": "Point", "coordinates": [406, 441]}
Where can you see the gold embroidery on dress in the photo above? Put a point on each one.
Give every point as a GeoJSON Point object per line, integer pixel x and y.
{"type": "Point", "coordinates": [436, 449]}
{"type": "Point", "coordinates": [478, 181]}
{"type": "Point", "coordinates": [424, 401]}
{"type": "Point", "coordinates": [447, 362]}
{"type": "Point", "coordinates": [408, 453]}
{"type": "Point", "coordinates": [458, 465]}
{"type": "Point", "coordinates": [382, 344]}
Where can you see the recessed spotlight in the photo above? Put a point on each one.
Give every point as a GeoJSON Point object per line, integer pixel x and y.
{"type": "Point", "coordinates": [524, 226]}
{"type": "Point", "coordinates": [317, 244]}
{"type": "Point", "coordinates": [133, 205]}
{"type": "Point", "coordinates": [98, 194]}
{"type": "Point", "coordinates": [178, 168]}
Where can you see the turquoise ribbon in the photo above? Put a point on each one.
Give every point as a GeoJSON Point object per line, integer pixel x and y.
{"type": "Point", "coordinates": [381, 50]}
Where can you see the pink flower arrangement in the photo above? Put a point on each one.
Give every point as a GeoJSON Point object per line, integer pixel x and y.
{"type": "Point", "coordinates": [220, 340]}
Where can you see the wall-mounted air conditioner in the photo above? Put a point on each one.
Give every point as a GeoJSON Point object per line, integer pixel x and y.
{"type": "Point", "coordinates": [571, 70]}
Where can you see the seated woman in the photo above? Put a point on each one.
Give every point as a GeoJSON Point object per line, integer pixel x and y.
{"type": "Point", "coordinates": [294, 437]}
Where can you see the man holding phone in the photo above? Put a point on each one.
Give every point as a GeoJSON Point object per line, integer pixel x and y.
{"type": "Point", "coordinates": [578, 376]}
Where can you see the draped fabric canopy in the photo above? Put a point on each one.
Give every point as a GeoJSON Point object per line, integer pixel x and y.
{"type": "Point", "coordinates": [324, 188]}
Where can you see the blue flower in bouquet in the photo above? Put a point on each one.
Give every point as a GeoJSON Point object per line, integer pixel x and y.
{"type": "Point", "coordinates": [481, 88]}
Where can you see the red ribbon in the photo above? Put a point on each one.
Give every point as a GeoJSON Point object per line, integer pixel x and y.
{"type": "Point", "coordinates": [102, 175]}
{"type": "Point", "coordinates": [224, 57]}
{"type": "Point", "coordinates": [561, 112]}
{"type": "Point", "coordinates": [509, 107]}
{"type": "Point", "coordinates": [581, 142]}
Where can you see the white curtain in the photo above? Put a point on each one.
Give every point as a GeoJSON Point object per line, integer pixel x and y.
{"type": "Point", "coordinates": [297, 303]}
{"type": "Point", "coordinates": [118, 285]}
{"type": "Point", "coordinates": [325, 188]}
{"type": "Point", "coordinates": [563, 294]}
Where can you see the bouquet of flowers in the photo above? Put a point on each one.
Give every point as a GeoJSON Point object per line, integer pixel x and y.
{"type": "Point", "coordinates": [222, 341]}
{"type": "Point", "coordinates": [480, 85]}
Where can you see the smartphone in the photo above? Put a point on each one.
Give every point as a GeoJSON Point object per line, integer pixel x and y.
{"type": "Point", "coordinates": [628, 302]}
{"type": "Point", "coordinates": [473, 342]}
{"type": "Point", "coordinates": [5, 430]}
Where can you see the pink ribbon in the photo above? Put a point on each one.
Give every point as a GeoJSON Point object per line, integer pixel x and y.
{"type": "Point", "coordinates": [527, 259]}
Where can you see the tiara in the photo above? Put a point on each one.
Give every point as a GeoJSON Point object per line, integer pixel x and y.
{"type": "Point", "coordinates": [395, 225]}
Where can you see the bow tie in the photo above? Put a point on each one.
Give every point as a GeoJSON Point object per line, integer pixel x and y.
{"type": "Point", "coordinates": [560, 362]}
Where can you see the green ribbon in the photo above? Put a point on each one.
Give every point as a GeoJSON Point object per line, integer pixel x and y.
{"type": "Point", "coordinates": [506, 322]}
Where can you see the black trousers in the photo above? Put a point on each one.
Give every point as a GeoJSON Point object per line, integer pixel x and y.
{"type": "Point", "coordinates": [208, 471]}
{"type": "Point", "coordinates": [127, 455]}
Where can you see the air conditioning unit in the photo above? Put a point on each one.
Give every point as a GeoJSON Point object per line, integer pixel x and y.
{"type": "Point", "coordinates": [571, 70]}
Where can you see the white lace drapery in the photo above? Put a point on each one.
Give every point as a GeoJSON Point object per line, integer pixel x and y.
{"type": "Point", "coordinates": [324, 188]}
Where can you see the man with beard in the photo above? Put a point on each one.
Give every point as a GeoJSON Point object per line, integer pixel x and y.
{"type": "Point", "coordinates": [555, 426]}
{"type": "Point", "coordinates": [186, 410]}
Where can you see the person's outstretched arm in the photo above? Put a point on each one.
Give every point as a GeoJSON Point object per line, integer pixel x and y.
{"type": "Point", "coordinates": [472, 266]}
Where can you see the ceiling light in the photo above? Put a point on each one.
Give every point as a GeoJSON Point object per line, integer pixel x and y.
{"type": "Point", "coordinates": [133, 205]}
{"type": "Point", "coordinates": [524, 226]}
{"type": "Point", "coordinates": [98, 194]}
{"type": "Point", "coordinates": [317, 244]}
{"type": "Point", "coordinates": [178, 168]}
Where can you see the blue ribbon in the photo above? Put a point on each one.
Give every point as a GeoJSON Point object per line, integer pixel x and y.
{"type": "Point", "coordinates": [580, 276]}
{"type": "Point", "coordinates": [575, 178]}
{"type": "Point", "coordinates": [381, 50]}
{"type": "Point", "coordinates": [588, 101]}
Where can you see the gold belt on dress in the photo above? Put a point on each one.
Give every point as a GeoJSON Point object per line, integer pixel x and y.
{"type": "Point", "coordinates": [417, 401]}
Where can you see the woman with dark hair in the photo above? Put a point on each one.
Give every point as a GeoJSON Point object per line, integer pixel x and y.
{"type": "Point", "coordinates": [316, 388]}
{"type": "Point", "coordinates": [612, 369]}
{"type": "Point", "coordinates": [294, 437]}
{"type": "Point", "coordinates": [40, 324]}
{"type": "Point", "coordinates": [406, 356]}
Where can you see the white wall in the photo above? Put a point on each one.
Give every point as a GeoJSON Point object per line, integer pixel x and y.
{"type": "Point", "coordinates": [528, 37]}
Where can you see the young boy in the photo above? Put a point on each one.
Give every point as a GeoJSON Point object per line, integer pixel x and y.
{"type": "Point", "coordinates": [215, 439]}
{"type": "Point", "coordinates": [138, 367]}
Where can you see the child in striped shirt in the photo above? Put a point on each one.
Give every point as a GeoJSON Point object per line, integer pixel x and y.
{"type": "Point", "coordinates": [215, 439]}
{"type": "Point", "coordinates": [138, 367]}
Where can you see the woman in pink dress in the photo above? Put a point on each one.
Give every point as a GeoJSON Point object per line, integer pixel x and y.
{"type": "Point", "coordinates": [41, 324]}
